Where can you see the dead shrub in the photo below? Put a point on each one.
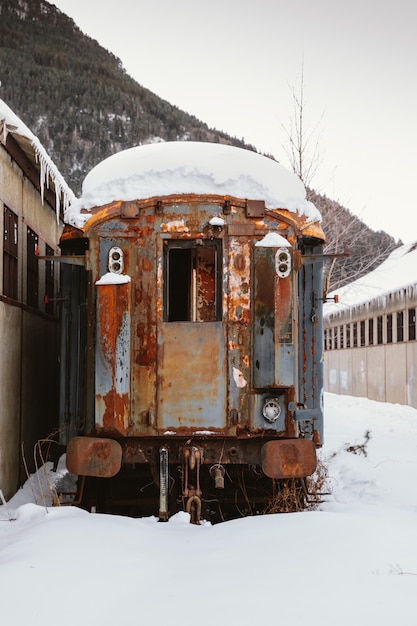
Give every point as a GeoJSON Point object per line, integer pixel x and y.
{"type": "Point", "coordinates": [288, 497]}
{"type": "Point", "coordinates": [295, 494]}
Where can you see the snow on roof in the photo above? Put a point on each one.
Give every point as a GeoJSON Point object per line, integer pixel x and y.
{"type": "Point", "coordinates": [11, 123]}
{"type": "Point", "coordinates": [399, 270]}
{"type": "Point", "coordinates": [162, 169]}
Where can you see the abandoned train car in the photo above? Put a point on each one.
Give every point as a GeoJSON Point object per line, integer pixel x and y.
{"type": "Point", "coordinates": [191, 348]}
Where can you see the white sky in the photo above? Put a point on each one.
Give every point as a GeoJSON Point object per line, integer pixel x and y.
{"type": "Point", "coordinates": [233, 64]}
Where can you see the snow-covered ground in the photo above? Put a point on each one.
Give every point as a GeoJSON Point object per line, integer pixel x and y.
{"type": "Point", "coordinates": [351, 562]}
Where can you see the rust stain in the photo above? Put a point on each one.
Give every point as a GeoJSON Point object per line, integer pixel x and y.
{"type": "Point", "coordinates": [93, 456]}
{"type": "Point", "coordinates": [113, 340]}
{"type": "Point", "coordinates": [116, 412]}
{"type": "Point", "coordinates": [283, 308]}
{"type": "Point", "coordinates": [112, 298]}
{"type": "Point", "coordinates": [290, 458]}
{"type": "Point", "coordinates": [147, 264]}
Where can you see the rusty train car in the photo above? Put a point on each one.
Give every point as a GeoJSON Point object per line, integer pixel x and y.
{"type": "Point", "coordinates": [191, 352]}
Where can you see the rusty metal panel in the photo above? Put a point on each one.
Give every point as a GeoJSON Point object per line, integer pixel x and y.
{"type": "Point", "coordinates": [310, 364]}
{"type": "Point", "coordinates": [113, 357]}
{"type": "Point", "coordinates": [144, 333]}
{"type": "Point", "coordinates": [284, 336]}
{"type": "Point", "coordinates": [255, 208]}
{"type": "Point", "coordinates": [191, 373]}
{"type": "Point", "coordinates": [264, 317]}
{"type": "Point", "coordinates": [238, 290]}
{"type": "Point", "coordinates": [291, 458]}
{"type": "Point", "coordinates": [94, 456]}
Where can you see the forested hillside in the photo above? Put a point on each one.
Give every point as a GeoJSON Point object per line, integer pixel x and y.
{"type": "Point", "coordinates": [80, 102]}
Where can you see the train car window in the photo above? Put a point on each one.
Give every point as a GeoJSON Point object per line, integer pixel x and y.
{"type": "Point", "coordinates": [10, 259]}
{"type": "Point", "coordinates": [32, 281]}
{"type": "Point", "coordinates": [389, 328]}
{"type": "Point", "coordinates": [355, 334]}
{"type": "Point", "coordinates": [371, 332]}
{"type": "Point", "coordinates": [193, 281]}
{"type": "Point", "coordinates": [411, 324]}
{"type": "Point", "coordinates": [379, 326]}
{"type": "Point", "coordinates": [347, 335]}
{"type": "Point", "coordinates": [400, 326]}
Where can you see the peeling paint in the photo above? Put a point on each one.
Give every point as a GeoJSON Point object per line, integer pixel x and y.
{"type": "Point", "coordinates": [239, 378]}
{"type": "Point", "coordinates": [177, 226]}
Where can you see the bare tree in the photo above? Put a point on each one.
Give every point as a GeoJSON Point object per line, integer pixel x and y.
{"type": "Point", "coordinates": [302, 146]}
{"type": "Point", "coordinates": [343, 230]}
{"type": "Point", "coordinates": [367, 248]}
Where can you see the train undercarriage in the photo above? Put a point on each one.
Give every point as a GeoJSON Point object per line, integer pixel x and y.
{"type": "Point", "coordinates": [214, 480]}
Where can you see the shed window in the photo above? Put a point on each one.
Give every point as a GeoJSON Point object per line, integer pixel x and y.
{"type": "Point", "coordinates": [411, 324]}
{"type": "Point", "coordinates": [341, 338]}
{"type": "Point", "coordinates": [193, 281]}
{"type": "Point", "coordinates": [389, 328]}
{"type": "Point", "coordinates": [362, 327]}
{"type": "Point", "coordinates": [348, 336]}
{"type": "Point", "coordinates": [379, 326]}
{"type": "Point", "coordinates": [371, 331]}
{"type": "Point", "coordinates": [336, 337]}
{"type": "Point", "coordinates": [49, 282]}
{"type": "Point", "coordinates": [32, 284]}
{"type": "Point", "coordinates": [400, 326]}
{"type": "Point", "coordinates": [10, 252]}
{"type": "Point", "coordinates": [355, 334]}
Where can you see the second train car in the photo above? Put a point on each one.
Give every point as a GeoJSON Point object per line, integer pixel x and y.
{"type": "Point", "coordinates": [191, 353]}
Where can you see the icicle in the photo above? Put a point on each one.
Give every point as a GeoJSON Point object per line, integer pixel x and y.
{"type": "Point", "coordinates": [48, 171]}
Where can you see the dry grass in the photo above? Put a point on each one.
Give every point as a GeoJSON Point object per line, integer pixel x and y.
{"type": "Point", "coordinates": [45, 490]}
{"type": "Point", "coordinates": [294, 494]}
{"type": "Point", "coordinates": [288, 497]}
{"type": "Point", "coordinates": [318, 485]}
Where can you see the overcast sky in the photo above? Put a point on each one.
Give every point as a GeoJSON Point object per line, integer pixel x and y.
{"type": "Point", "coordinates": [234, 64]}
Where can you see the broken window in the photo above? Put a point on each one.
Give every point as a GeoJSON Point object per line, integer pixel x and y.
{"type": "Point", "coordinates": [341, 337]}
{"type": "Point", "coordinates": [355, 334]}
{"type": "Point", "coordinates": [371, 331]}
{"type": "Point", "coordinates": [347, 335]}
{"type": "Point", "coordinates": [32, 283]}
{"type": "Point", "coordinates": [362, 331]}
{"type": "Point", "coordinates": [10, 252]}
{"type": "Point", "coordinates": [411, 324]}
{"type": "Point", "coordinates": [193, 281]}
{"type": "Point", "coordinates": [400, 326]}
{"type": "Point", "coordinates": [389, 328]}
{"type": "Point", "coordinates": [379, 327]}
{"type": "Point", "coordinates": [49, 281]}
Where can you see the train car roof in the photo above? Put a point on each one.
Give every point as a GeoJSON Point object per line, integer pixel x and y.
{"type": "Point", "coordinates": [163, 169]}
